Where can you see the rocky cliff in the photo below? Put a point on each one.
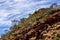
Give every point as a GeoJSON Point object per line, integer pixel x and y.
{"type": "Point", "coordinates": [44, 24]}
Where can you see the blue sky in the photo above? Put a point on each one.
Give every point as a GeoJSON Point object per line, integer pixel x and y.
{"type": "Point", "coordinates": [17, 9]}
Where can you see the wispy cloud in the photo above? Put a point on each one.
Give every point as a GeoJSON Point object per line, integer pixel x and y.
{"type": "Point", "coordinates": [17, 9]}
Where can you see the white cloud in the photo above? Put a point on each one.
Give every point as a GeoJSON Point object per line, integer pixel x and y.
{"type": "Point", "coordinates": [3, 13]}
{"type": "Point", "coordinates": [5, 23]}
{"type": "Point", "coordinates": [17, 7]}
{"type": "Point", "coordinates": [2, 0]}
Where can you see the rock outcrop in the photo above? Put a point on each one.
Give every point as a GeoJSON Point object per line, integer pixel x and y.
{"type": "Point", "coordinates": [47, 29]}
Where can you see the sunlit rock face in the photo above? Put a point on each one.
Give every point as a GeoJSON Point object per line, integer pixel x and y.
{"type": "Point", "coordinates": [55, 5]}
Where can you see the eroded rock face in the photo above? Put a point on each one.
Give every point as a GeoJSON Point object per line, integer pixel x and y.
{"type": "Point", "coordinates": [44, 31]}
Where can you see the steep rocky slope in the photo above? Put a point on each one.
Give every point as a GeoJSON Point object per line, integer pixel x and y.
{"type": "Point", "coordinates": [44, 24]}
